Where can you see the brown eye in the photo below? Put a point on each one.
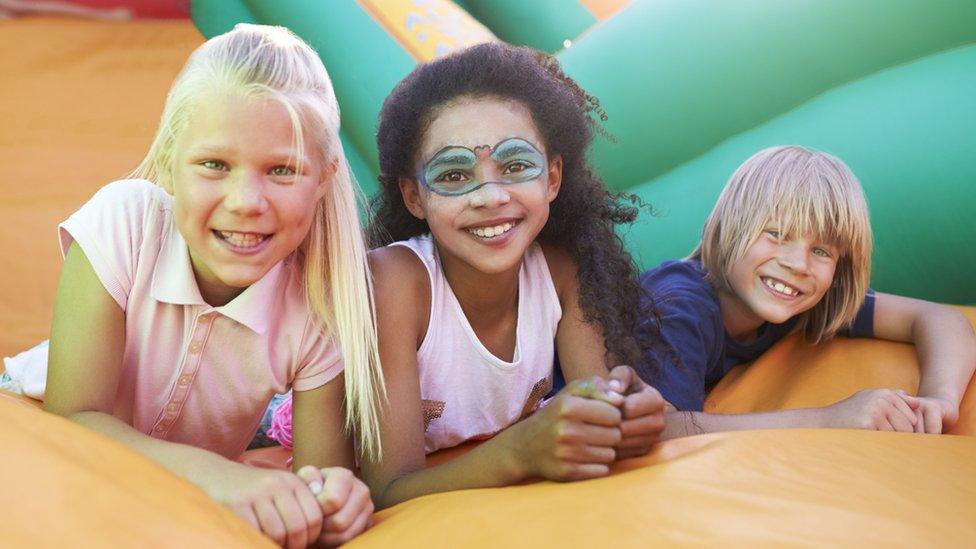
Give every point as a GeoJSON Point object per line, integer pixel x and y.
{"type": "Point", "coordinates": [516, 167]}
{"type": "Point", "coordinates": [453, 176]}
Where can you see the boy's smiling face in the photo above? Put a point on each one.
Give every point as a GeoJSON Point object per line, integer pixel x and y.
{"type": "Point", "coordinates": [778, 277]}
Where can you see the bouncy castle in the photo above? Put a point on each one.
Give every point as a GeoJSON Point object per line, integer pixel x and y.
{"type": "Point", "coordinates": [682, 92]}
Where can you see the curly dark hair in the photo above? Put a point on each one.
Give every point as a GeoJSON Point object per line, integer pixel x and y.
{"type": "Point", "coordinates": [583, 215]}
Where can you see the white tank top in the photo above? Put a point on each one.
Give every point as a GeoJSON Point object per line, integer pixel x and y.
{"type": "Point", "coordinates": [469, 393]}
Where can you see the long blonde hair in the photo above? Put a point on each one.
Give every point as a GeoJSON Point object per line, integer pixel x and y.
{"type": "Point", "coordinates": [804, 192]}
{"type": "Point", "coordinates": [264, 61]}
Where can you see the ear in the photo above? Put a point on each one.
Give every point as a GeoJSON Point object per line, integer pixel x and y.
{"type": "Point", "coordinates": [555, 177]}
{"type": "Point", "coordinates": [410, 191]}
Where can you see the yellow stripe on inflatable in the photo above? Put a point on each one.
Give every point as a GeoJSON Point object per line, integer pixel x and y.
{"type": "Point", "coordinates": [603, 9]}
{"type": "Point", "coordinates": [427, 29]}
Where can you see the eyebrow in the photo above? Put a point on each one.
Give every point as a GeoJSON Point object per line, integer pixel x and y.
{"type": "Point", "coordinates": [509, 151]}
{"type": "Point", "coordinates": [455, 159]}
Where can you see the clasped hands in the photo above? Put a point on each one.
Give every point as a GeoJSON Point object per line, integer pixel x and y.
{"type": "Point", "coordinates": [591, 423]}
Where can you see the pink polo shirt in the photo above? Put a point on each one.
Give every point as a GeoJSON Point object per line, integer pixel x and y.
{"type": "Point", "coordinates": [193, 373]}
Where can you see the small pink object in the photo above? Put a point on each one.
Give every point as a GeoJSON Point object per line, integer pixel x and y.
{"type": "Point", "coordinates": [281, 424]}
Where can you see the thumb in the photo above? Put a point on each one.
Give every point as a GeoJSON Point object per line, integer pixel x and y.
{"type": "Point", "coordinates": [313, 477]}
{"type": "Point", "coordinates": [595, 388]}
{"type": "Point", "coordinates": [912, 401]}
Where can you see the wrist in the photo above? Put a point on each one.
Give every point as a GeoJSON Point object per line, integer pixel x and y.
{"type": "Point", "coordinates": [511, 460]}
{"type": "Point", "coordinates": [818, 418]}
{"type": "Point", "coordinates": [950, 399]}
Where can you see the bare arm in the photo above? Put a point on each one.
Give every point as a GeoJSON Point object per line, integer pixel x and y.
{"type": "Point", "coordinates": [580, 345]}
{"type": "Point", "coordinates": [83, 378]}
{"type": "Point", "coordinates": [946, 349]}
{"type": "Point", "coordinates": [403, 305]}
{"type": "Point", "coordinates": [529, 448]}
{"type": "Point", "coordinates": [943, 339]}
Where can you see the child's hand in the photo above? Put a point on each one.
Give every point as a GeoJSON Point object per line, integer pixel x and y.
{"type": "Point", "coordinates": [643, 412]}
{"type": "Point", "coordinates": [572, 437]}
{"type": "Point", "coordinates": [932, 414]}
{"type": "Point", "coordinates": [345, 503]}
{"type": "Point", "coordinates": [877, 409]}
{"type": "Point", "coordinates": [278, 503]}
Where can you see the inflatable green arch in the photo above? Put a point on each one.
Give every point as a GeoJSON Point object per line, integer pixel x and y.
{"type": "Point", "coordinates": [692, 88]}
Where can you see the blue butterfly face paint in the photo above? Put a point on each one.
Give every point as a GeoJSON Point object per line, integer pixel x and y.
{"type": "Point", "coordinates": [457, 170]}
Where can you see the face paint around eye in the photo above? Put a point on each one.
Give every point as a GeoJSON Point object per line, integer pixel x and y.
{"type": "Point", "coordinates": [451, 171]}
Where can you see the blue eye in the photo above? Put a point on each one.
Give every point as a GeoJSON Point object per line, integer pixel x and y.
{"type": "Point", "coordinates": [822, 252]}
{"type": "Point", "coordinates": [774, 233]}
{"type": "Point", "coordinates": [282, 171]}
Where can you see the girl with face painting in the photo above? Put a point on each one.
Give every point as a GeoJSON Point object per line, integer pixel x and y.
{"type": "Point", "coordinates": [503, 253]}
{"type": "Point", "coordinates": [498, 252]}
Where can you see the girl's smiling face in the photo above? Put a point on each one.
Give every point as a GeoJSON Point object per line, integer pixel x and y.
{"type": "Point", "coordinates": [490, 150]}
{"type": "Point", "coordinates": [778, 277]}
{"type": "Point", "coordinates": [244, 194]}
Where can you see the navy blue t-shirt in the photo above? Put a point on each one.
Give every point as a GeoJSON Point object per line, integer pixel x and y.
{"type": "Point", "coordinates": [696, 351]}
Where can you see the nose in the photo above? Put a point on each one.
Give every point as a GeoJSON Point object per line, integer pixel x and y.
{"type": "Point", "coordinates": [245, 195]}
{"type": "Point", "coordinates": [794, 256]}
{"type": "Point", "coordinates": [490, 195]}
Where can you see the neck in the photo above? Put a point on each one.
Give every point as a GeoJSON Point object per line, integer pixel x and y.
{"type": "Point", "coordinates": [740, 321]}
{"type": "Point", "coordinates": [483, 297]}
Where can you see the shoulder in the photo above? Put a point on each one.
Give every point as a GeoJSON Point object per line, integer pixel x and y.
{"type": "Point", "coordinates": [128, 205]}
{"type": "Point", "coordinates": [679, 281]}
{"type": "Point", "coordinates": [397, 266]}
{"type": "Point", "coordinates": [129, 193]}
{"type": "Point", "coordinates": [562, 266]}
{"type": "Point", "coordinates": [401, 282]}
{"type": "Point", "coordinates": [679, 292]}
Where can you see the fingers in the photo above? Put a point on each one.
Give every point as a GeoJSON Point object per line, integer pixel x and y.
{"type": "Point", "coordinates": [308, 502]}
{"type": "Point", "coordinates": [294, 518]}
{"type": "Point", "coordinates": [624, 380]}
{"type": "Point", "coordinates": [919, 421]}
{"type": "Point", "coordinates": [583, 471]}
{"type": "Point", "coordinates": [642, 403]}
{"type": "Point", "coordinates": [335, 491]}
{"type": "Point", "coordinates": [933, 420]}
{"type": "Point", "coordinates": [586, 410]}
{"type": "Point", "coordinates": [594, 388]}
{"type": "Point", "coordinates": [901, 405]}
{"type": "Point", "coordinates": [912, 401]}
{"type": "Point", "coordinates": [270, 521]}
{"type": "Point", "coordinates": [643, 426]}
{"type": "Point", "coordinates": [247, 513]}
{"type": "Point", "coordinates": [635, 446]}
{"type": "Point", "coordinates": [900, 422]}
{"type": "Point", "coordinates": [355, 513]}
{"type": "Point", "coordinates": [360, 524]}
{"type": "Point", "coordinates": [593, 435]}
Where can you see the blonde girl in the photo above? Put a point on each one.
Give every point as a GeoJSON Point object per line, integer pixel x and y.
{"type": "Point", "coordinates": [231, 268]}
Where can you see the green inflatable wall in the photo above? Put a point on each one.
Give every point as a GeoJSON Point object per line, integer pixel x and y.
{"type": "Point", "coordinates": [692, 88]}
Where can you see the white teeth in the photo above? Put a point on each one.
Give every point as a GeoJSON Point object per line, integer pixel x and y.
{"type": "Point", "coordinates": [780, 287]}
{"type": "Point", "coordinates": [243, 240]}
{"type": "Point", "coordinates": [489, 232]}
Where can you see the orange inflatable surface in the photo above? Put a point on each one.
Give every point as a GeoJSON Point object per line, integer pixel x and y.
{"type": "Point", "coordinates": [79, 104]}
